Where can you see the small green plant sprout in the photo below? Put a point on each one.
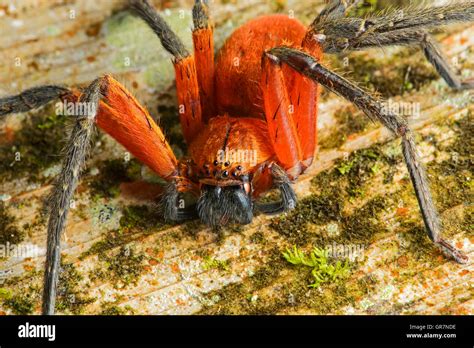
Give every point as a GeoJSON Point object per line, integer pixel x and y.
{"type": "Point", "coordinates": [345, 167]}
{"type": "Point", "coordinates": [212, 263]}
{"type": "Point", "coordinates": [323, 270]}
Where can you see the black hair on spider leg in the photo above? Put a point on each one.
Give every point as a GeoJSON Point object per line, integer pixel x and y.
{"type": "Point", "coordinates": [200, 14]}
{"type": "Point", "coordinates": [31, 99]}
{"type": "Point", "coordinates": [288, 197]}
{"type": "Point", "coordinates": [169, 206]}
{"type": "Point", "coordinates": [76, 152]}
{"type": "Point", "coordinates": [373, 108]}
{"type": "Point", "coordinates": [170, 41]}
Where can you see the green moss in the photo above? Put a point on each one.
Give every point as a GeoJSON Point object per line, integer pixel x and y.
{"type": "Point", "coordinates": [141, 217]}
{"type": "Point", "coordinates": [334, 201]}
{"type": "Point", "coordinates": [36, 146]}
{"type": "Point", "coordinates": [110, 308]}
{"type": "Point", "coordinates": [258, 238]}
{"type": "Point", "coordinates": [318, 210]}
{"type": "Point", "coordinates": [39, 222]}
{"type": "Point", "coordinates": [322, 268]}
{"type": "Point", "coordinates": [418, 243]}
{"type": "Point", "coordinates": [122, 268]}
{"type": "Point", "coordinates": [361, 167]}
{"type": "Point", "coordinates": [403, 72]}
{"type": "Point", "coordinates": [212, 263]}
{"type": "Point", "coordinates": [233, 298]}
{"type": "Point", "coordinates": [22, 301]}
{"type": "Point", "coordinates": [454, 174]}
{"type": "Point", "coordinates": [349, 121]}
{"type": "Point", "coordinates": [135, 221]}
{"type": "Point", "coordinates": [5, 294]}
{"type": "Point", "coordinates": [70, 291]}
{"type": "Point", "coordinates": [20, 304]}
{"type": "Point", "coordinates": [9, 232]}
{"type": "Point", "coordinates": [290, 292]}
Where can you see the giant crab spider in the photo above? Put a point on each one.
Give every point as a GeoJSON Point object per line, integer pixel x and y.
{"type": "Point", "coordinates": [218, 111]}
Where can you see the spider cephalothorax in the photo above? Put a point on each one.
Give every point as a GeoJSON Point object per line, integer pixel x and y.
{"type": "Point", "coordinates": [249, 119]}
{"type": "Point", "coordinates": [229, 158]}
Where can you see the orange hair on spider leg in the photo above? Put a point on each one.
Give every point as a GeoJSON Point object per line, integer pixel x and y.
{"type": "Point", "coordinates": [121, 116]}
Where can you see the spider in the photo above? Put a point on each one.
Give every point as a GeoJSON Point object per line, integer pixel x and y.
{"type": "Point", "coordinates": [266, 105]}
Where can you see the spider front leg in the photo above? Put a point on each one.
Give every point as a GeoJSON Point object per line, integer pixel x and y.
{"type": "Point", "coordinates": [398, 28]}
{"type": "Point", "coordinates": [334, 9]}
{"type": "Point", "coordinates": [438, 60]}
{"type": "Point", "coordinates": [281, 128]}
{"type": "Point", "coordinates": [294, 146]}
{"type": "Point", "coordinates": [282, 182]}
{"type": "Point", "coordinates": [187, 85]}
{"type": "Point", "coordinates": [64, 187]}
{"type": "Point", "coordinates": [372, 107]}
{"type": "Point", "coordinates": [31, 99]}
{"type": "Point", "coordinates": [203, 40]}
{"type": "Point", "coordinates": [117, 112]}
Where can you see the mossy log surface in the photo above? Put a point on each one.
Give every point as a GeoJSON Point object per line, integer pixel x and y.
{"type": "Point", "coordinates": [120, 257]}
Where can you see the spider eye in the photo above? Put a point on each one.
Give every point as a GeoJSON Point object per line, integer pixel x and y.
{"type": "Point", "coordinates": [234, 174]}
{"type": "Point", "coordinates": [225, 173]}
{"type": "Point", "coordinates": [239, 167]}
{"type": "Point", "coordinates": [215, 163]}
{"type": "Point", "coordinates": [226, 164]}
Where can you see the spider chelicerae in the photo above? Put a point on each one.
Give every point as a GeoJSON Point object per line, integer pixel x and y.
{"type": "Point", "coordinates": [265, 105]}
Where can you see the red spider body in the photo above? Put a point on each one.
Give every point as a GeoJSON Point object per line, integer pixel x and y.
{"type": "Point", "coordinates": [241, 125]}
{"type": "Point", "coordinates": [232, 138]}
{"type": "Point", "coordinates": [242, 117]}
{"type": "Point", "coordinates": [238, 96]}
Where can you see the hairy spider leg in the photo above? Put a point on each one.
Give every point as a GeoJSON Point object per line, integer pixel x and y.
{"type": "Point", "coordinates": [189, 104]}
{"type": "Point", "coordinates": [187, 86]}
{"type": "Point", "coordinates": [76, 151]}
{"type": "Point", "coordinates": [203, 41]}
{"type": "Point", "coordinates": [31, 99]}
{"type": "Point", "coordinates": [373, 108]}
{"type": "Point", "coordinates": [304, 94]}
{"type": "Point", "coordinates": [291, 103]}
{"type": "Point", "coordinates": [436, 57]}
{"type": "Point", "coordinates": [395, 28]}
{"type": "Point", "coordinates": [122, 116]}
{"type": "Point", "coordinates": [281, 129]}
